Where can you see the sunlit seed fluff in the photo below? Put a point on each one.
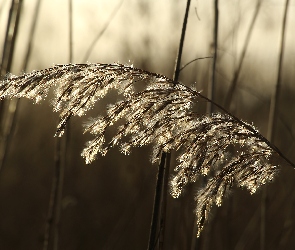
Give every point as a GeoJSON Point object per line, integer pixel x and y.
{"type": "Point", "coordinates": [125, 148]}
{"type": "Point", "coordinates": [154, 110]}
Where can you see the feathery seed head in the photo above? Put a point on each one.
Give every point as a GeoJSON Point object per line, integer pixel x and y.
{"type": "Point", "coordinates": [160, 113]}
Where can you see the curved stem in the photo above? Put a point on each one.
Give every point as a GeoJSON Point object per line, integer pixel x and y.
{"type": "Point", "coordinates": [257, 134]}
{"type": "Point", "coordinates": [196, 59]}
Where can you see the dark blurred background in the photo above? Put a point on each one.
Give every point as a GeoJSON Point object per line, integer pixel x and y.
{"type": "Point", "coordinates": [108, 204]}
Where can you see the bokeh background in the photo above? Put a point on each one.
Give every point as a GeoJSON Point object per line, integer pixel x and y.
{"type": "Point", "coordinates": [108, 204]}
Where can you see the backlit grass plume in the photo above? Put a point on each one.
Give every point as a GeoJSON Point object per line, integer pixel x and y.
{"type": "Point", "coordinates": [155, 110]}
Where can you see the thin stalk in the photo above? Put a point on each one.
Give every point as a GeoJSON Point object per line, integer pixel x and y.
{"type": "Point", "coordinates": [211, 86]}
{"type": "Point", "coordinates": [6, 62]}
{"type": "Point", "coordinates": [10, 118]}
{"type": "Point", "coordinates": [10, 36]}
{"type": "Point", "coordinates": [168, 155]}
{"type": "Point", "coordinates": [196, 59]}
{"type": "Point", "coordinates": [12, 107]}
{"type": "Point", "coordinates": [229, 96]}
{"type": "Point", "coordinates": [273, 113]}
{"type": "Point", "coordinates": [163, 174]}
{"type": "Point", "coordinates": [164, 200]}
{"type": "Point", "coordinates": [274, 100]}
{"type": "Point", "coordinates": [180, 48]}
{"type": "Point", "coordinates": [60, 157]}
{"type": "Point", "coordinates": [32, 35]}
{"type": "Point", "coordinates": [60, 162]}
{"type": "Point", "coordinates": [209, 108]}
{"type": "Point", "coordinates": [113, 14]}
{"type": "Point", "coordinates": [52, 216]}
{"type": "Point", "coordinates": [157, 203]}
{"type": "Point", "coordinates": [59, 174]}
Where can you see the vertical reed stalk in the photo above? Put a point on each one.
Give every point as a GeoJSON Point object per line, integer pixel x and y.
{"type": "Point", "coordinates": [232, 88]}
{"type": "Point", "coordinates": [157, 203]}
{"type": "Point", "coordinates": [273, 113]}
{"type": "Point", "coordinates": [59, 176]}
{"type": "Point", "coordinates": [7, 107]}
{"type": "Point", "coordinates": [99, 35]}
{"type": "Point", "coordinates": [53, 211]}
{"type": "Point", "coordinates": [209, 108]}
{"type": "Point", "coordinates": [55, 203]}
{"type": "Point", "coordinates": [211, 85]}
{"type": "Point", "coordinates": [164, 199]}
{"type": "Point", "coordinates": [275, 96]}
{"type": "Point", "coordinates": [10, 118]}
{"type": "Point", "coordinates": [10, 36]}
{"type": "Point", "coordinates": [160, 199]}
{"type": "Point", "coordinates": [32, 35]}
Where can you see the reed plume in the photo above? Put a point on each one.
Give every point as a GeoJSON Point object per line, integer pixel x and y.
{"type": "Point", "coordinates": [161, 114]}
